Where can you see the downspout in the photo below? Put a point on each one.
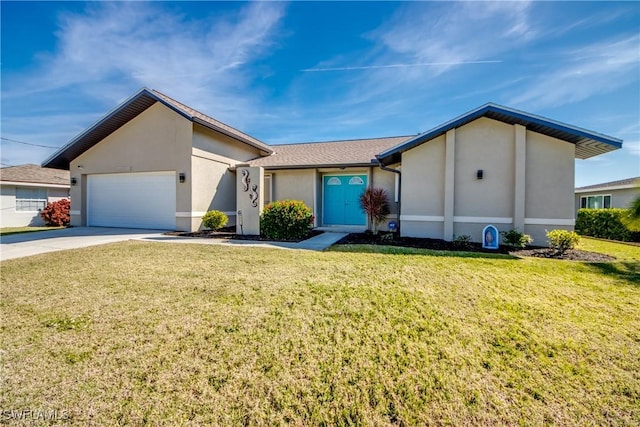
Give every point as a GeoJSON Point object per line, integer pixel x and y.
{"type": "Point", "coordinates": [384, 168]}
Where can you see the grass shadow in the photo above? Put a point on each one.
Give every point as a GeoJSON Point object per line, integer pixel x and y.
{"type": "Point", "coordinates": [627, 271]}
{"type": "Point", "coordinates": [401, 250]}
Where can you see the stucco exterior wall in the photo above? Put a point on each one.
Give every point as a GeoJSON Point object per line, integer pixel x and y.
{"type": "Point", "coordinates": [156, 140]}
{"type": "Point", "coordinates": [486, 145]}
{"type": "Point", "coordinates": [10, 217]}
{"type": "Point", "coordinates": [549, 183]}
{"type": "Point", "coordinates": [620, 198]}
{"type": "Point", "coordinates": [213, 142]}
{"type": "Point", "coordinates": [293, 184]}
{"type": "Point", "coordinates": [530, 185]}
{"type": "Point", "coordinates": [213, 186]}
{"type": "Point", "coordinates": [550, 177]}
{"type": "Point", "coordinates": [422, 192]}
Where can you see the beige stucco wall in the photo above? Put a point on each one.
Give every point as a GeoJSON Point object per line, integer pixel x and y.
{"type": "Point", "coordinates": [222, 145]}
{"type": "Point", "coordinates": [550, 177]}
{"type": "Point", "coordinates": [213, 185]}
{"type": "Point", "coordinates": [488, 145]}
{"type": "Point", "coordinates": [294, 184]}
{"type": "Point", "coordinates": [620, 198]}
{"type": "Point", "coordinates": [156, 140]}
{"type": "Point", "coordinates": [422, 190]}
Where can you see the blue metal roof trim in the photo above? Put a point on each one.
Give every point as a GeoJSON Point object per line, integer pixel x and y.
{"type": "Point", "coordinates": [540, 124]}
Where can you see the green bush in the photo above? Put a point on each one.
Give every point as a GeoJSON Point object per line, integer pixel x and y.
{"type": "Point", "coordinates": [605, 224]}
{"type": "Point", "coordinates": [515, 238]}
{"type": "Point", "coordinates": [286, 220]}
{"type": "Point", "coordinates": [463, 241]}
{"type": "Point", "coordinates": [562, 240]}
{"type": "Point", "coordinates": [214, 220]}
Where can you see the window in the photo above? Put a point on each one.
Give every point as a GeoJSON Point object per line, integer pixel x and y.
{"type": "Point", "coordinates": [267, 190]}
{"type": "Point", "coordinates": [30, 199]}
{"type": "Point", "coordinates": [596, 202]}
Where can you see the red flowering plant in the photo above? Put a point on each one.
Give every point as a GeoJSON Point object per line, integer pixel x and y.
{"type": "Point", "coordinates": [57, 214]}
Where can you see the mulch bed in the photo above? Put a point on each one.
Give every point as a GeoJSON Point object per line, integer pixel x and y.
{"type": "Point", "coordinates": [229, 233]}
{"type": "Point", "coordinates": [441, 245]}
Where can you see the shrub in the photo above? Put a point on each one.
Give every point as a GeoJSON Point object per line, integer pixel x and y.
{"type": "Point", "coordinates": [286, 220]}
{"type": "Point", "coordinates": [605, 224]}
{"type": "Point", "coordinates": [214, 220]}
{"type": "Point", "coordinates": [463, 241]}
{"type": "Point", "coordinates": [375, 203]}
{"type": "Point", "coordinates": [562, 240]}
{"type": "Point", "coordinates": [56, 214]}
{"type": "Point", "coordinates": [515, 238]}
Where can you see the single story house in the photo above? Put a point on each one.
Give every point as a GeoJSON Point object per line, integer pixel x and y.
{"type": "Point", "coordinates": [26, 189]}
{"type": "Point", "coordinates": [614, 194]}
{"type": "Point", "coordinates": [154, 162]}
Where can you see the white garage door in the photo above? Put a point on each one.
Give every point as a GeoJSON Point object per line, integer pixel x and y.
{"type": "Point", "coordinates": [132, 200]}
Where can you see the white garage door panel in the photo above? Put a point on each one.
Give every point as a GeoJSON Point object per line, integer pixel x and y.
{"type": "Point", "coordinates": [134, 200]}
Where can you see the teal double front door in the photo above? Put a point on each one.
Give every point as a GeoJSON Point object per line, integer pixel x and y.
{"type": "Point", "coordinates": [342, 199]}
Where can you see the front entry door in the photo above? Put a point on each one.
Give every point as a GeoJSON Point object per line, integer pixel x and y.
{"type": "Point", "coordinates": [342, 199]}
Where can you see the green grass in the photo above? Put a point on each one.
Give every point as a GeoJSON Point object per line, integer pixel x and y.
{"type": "Point", "coordinates": [154, 333]}
{"type": "Point", "coordinates": [5, 231]}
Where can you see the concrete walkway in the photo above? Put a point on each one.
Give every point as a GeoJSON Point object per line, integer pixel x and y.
{"type": "Point", "coordinates": [39, 242]}
{"type": "Point", "coordinates": [320, 242]}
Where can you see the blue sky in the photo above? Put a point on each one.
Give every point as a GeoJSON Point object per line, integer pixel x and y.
{"type": "Point", "coordinates": [313, 71]}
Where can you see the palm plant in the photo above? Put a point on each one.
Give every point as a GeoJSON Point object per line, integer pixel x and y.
{"type": "Point", "coordinates": [375, 203]}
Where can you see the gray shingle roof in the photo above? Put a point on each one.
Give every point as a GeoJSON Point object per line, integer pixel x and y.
{"type": "Point", "coordinates": [212, 123]}
{"type": "Point", "coordinates": [618, 183]}
{"type": "Point", "coordinates": [34, 174]}
{"type": "Point", "coordinates": [355, 152]}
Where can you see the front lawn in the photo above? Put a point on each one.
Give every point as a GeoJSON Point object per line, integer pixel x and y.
{"type": "Point", "coordinates": [156, 333]}
{"type": "Point", "coordinates": [5, 231]}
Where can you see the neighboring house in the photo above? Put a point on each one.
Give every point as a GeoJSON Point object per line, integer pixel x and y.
{"type": "Point", "coordinates": [26, 189]}
{"type": "Point", "coordinates": [156, 163]}
{"type": "Point", "coordinates": [614, 194]}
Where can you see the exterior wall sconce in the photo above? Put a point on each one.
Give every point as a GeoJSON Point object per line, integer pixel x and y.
{"type": "Point", "coordinates": [480, 174]}
{"type": "Point", "coordinates": [182, 177]}
{"type": "Point", "coordinates": [74, 180]}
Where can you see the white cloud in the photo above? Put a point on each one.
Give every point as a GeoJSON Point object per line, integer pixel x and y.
{"type": "Point", "coordinates": [454, 33]}
{"type": "Point", "coordinates": [130, 44]}
{"type": "Point", "coordinates": [584, 72]}
{"type": "Point", "coordinates": [633, 147]}
{"type": "Point", "coordinates": [109, 51]}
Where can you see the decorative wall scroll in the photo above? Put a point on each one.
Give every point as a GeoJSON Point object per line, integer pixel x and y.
{"type": "Point", "coordinates": [253, 195]}
{"type": "Point", "coordinates": [246, 180]}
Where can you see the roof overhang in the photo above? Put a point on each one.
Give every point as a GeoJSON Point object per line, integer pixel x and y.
{"type": "Point", "coordinates": [34, 184]}
{"type": "Point", "coordinates": [118, 117]}
{"type": "Point", "coordinates": [605, 189]}
{"type": "Point", "coordinates": [588, 143]}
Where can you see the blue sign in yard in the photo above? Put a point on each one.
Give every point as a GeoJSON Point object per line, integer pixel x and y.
{"type": "Point", "coordinates": [342, 199]}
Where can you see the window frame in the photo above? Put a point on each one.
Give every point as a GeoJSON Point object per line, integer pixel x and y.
{"type": "Point", "coordinates": [268, 186]}
{"type": "Point", "coordinates": [33, 203]}
{"type": "Point", "coordinates": [584, 201]}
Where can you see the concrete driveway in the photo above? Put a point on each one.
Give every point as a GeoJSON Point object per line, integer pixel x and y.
{"type": "Point", "coordinates": [39, 242]}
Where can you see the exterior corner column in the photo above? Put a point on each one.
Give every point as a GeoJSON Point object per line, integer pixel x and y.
{"type": "Point", "coordinates": [449, 184]}
{"type": "Point", "coordinates": [520, 177]}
